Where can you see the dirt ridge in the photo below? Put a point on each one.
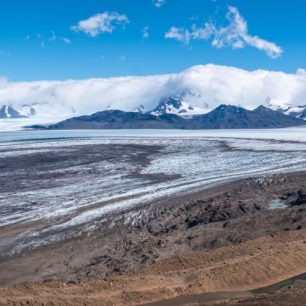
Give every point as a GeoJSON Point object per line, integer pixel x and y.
{"type": "Point", "coordinates": [249, 265]}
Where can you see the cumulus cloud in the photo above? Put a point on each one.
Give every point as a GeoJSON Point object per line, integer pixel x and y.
{"type": "Point", "coordinates": [159, 3]}
{"type": "Point", "coordinates": [104, 22]}
{"type": "Point", "coordinates": [235, 35]}
{"type": "Point", "coordinates": [202, 86]}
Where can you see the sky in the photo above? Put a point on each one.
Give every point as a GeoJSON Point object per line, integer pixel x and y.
{"type": "Point", "coordinates": [76, 57]}
{"type": "Point", "coordinates": [78, 39]}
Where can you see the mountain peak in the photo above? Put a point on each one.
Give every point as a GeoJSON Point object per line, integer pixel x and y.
{"type": "Point", "coordinates": [170, 105]}
{"type": "Point", "coordinates": [229, 108]}
{"type": "Point", "coordinates": [262, 108]}
{"type": "Point", "coordinates": [7, 112]}
{"type": "Point", "coordinates": [139, 109]}
{"type": "Point", "coordinates": [175, 106]}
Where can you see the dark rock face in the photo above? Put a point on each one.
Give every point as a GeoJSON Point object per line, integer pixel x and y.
{"type": "Point", "coordinates": [223, 117]}
{"type": "Point", "coordinates": [8, 112]}
{"type": "Point", "coordinates": [233, 117]}
{"type": "Point", "coordinates": [301, 198]}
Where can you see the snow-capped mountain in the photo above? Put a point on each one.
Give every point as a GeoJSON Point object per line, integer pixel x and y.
{"type": "Point", "coordinates": [43, 110]}
{"type": "Point", "coordinates": [292, 111]}
{"type": "Point", "coordinates": [24, 111]}
{"type": "Point", "coordinates": [14, 117]}
{"type": "Point", "coordinates": [296, 111]}
{"type": "Point", "coordinates": [176, 106]}
{"type": "Point", "coordinates": [139, 109]}
{"type": "Point", "coordinates": [7, 112]}
{"type": "Point", "coordinates": [28, 110]}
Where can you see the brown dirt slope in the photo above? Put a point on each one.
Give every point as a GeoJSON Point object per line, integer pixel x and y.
{"type": "Point", "coordinates": [240, 267]}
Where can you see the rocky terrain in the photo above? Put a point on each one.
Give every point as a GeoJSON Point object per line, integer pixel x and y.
{"type": "Point", "coordinates": [226, 238]}
{"type": "Point", "coordinates": [223, 276]}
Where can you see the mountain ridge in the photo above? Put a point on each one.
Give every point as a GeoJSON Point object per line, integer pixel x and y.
{"type": "Point", "coordinates": [222, 117]}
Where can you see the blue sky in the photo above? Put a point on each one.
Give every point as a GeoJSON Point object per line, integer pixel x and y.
{"type": "Point", "coordinates": [37, 40]}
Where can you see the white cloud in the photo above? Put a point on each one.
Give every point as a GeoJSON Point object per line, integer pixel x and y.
{"type": "Point", "coordinates": [53, 38]}
{"type": "Point", "coordinates": [3, 80]}
{"type": "Point", "coordinates": [183, 35]}
{"type": "Point", "coordinates": [66, 40]}
{"type": "Point", "coordinates": [199, 85]}
{"type": "Point", "coordinates": [204, 32]}
{"type": "Point", "coordinates": [145, 32]}
{"type": "Point", "coordinates": [301, 72]}
{"type": "Point", "coordinates": [234, 35]}
{"type": "Point", "coordinates": [159, 3]}
{"type": "Point", "coordinates": [180, 34]}
{"type": "Point", "coordinates": [100, 23]}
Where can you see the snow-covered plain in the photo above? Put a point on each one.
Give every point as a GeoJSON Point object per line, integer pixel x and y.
{"type": "Point", "coordinates": [192, 159]}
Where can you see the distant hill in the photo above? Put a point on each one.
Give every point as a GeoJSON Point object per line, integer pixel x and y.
{"type": "Point", "coordinates": [222, 117]}
{"type": "Point", "coordinates": [116, 119]}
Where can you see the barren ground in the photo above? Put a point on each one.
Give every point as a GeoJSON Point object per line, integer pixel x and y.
{"type": "Point", "coordinates": [224, 239]}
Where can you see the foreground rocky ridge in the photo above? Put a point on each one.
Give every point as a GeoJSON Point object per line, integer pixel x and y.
{"type": "Point", "coordinates": [223, 276]}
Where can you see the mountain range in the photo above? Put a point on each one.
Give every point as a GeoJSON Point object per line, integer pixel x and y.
{"type": "Point", "coordinates": [171, 113]}
{"type": "Point", "coordinates": [222, 117]}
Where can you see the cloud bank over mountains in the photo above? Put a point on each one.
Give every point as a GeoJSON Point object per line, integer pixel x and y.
{"type": "Point", "coordinates": [204, 86]}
